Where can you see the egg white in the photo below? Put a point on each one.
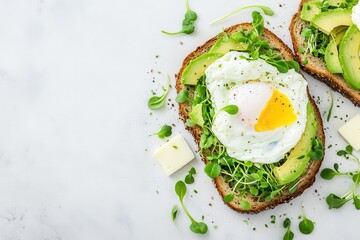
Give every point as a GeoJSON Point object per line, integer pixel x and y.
{"type": "Point", "coordinates": [233, 79]}
{"type": "Point", "coordinates": [355, 16]}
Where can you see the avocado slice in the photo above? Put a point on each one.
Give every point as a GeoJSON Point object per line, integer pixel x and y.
{"type": "Point", "coordinates": [298, 159]}
{"type": "Point", "coordinates": [339, 34]}
{"type": "Point", "coordinates": [226, 44]}
{"type": "Point", "coordinates": [327, 21]}
{"type": "Point", "coordinates": [332, 58]}
{"type": "Point", "coordinates": [196, 115]}
{"type": "Point", "coordinates": [349, 56]}
{"type": "Point", "coordinates": [309, 10]}
{"type": "Point", "coordinates": [197, 67]}
{"type": "Point", "coordinates": [336, 3]}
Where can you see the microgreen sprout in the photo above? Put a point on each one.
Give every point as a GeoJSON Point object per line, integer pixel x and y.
{"type": "Point", "coordinates": [230, 109]}
{"type": "Point", "coordinates": [196, 227]}
{"type": "Point", "coordinates": [267, 11]}
{"type": "Point", "coordinates": [229, 197]}
{"type": "Point", "coordinates": [317, 150]}
{"type": "Point", "coordinates": [212, 169]}
{"type": "Point", "coordinates": [165, 131]}
{"type": "Point", "coordinates": [183, 96]}
{"type": "Point", "coordinates": [335, 201]}
{"type": "Point", "coordinates": [289, 235]}
{"type": "Point", "coordinates": [174, 212]}
{"type": "Point", "coordinates": [188, 25]}
{"type": "Point", "coordinates": [189, 179]}
{"type": "Point", "coordinates": [306, 226]}
{"type": "Point", "coordinates": [156, 102]}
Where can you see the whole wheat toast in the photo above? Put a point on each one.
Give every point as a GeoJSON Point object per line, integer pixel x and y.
{"type": "Point", "coordinates": [316, 66]}
{"type": "Point", "coordinates": [307, 178]}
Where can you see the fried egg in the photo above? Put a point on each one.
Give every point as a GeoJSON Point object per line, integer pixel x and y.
{"type": "Point", "coordinates": [272, 107]}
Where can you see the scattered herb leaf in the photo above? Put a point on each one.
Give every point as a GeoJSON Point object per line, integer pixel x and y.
{"type": "Point", "coordinates": [196, 227]}
{"type": "Point", "coordinates": [188, 23]}
{"type": "Point", "coordinates": [267, 11]}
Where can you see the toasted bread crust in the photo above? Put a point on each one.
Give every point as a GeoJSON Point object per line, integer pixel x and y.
{"type": "Point", "coordinates": [223, 188]}
{"type": "Point", "coordinates": [316, 66]}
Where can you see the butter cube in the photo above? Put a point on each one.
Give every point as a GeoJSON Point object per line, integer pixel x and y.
{"type": "Point", "coordinates": [351, 132]}
{"type": "Point", "coordinates": [174, 154]}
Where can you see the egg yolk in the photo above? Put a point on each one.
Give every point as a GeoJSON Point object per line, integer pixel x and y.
{"type": "Point", "coordinates": [278, 112]}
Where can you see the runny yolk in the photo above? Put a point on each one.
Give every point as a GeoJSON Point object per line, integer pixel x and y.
{"type": "Point", "coordinates": [278, 112]}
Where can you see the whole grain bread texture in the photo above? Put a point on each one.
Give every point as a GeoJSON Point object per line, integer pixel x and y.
{"type": "Point", "coordinates": [316, 66]}
{"type": "Point", "coordinates": [308, 177]}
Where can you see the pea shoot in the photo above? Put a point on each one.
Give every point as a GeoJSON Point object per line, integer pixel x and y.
{"type": "Point", "coordinates": [183, 96]}
{"type": "Point", "coordinates": [196, 227]}
{"type": "Point", "coordinates": [165, 131]}
{"type": "Point", "coordinates": [335, 201]}
{"type": "Point", "coordinates": [306, 226]}
{"type": "Point", "coordinates": [157, 102]}
{"type": "Point", "coordinates": [267, 11]}
{"type": "Point", "coordinates": [289, 235]}
{"type": "Point", "coordinates": [188, 24]}
{"type": "Point", "coordinates": [189, 179]}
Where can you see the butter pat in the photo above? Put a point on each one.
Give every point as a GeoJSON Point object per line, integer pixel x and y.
{"type": "Point", "coordinates": [174, 154]}
{"type": "Point", "coordinates": [351, 132]}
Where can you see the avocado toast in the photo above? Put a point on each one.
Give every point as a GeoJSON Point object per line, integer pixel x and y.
{"type": "Point", "coordinates": [326, 44]}
{"type": "Point", "coordinates": [247, 186]}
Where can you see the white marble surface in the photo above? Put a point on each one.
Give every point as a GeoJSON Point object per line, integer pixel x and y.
{"type": "Point", "coordinates": [75, 156]}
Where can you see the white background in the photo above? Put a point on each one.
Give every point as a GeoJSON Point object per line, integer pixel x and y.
{"type": "Point", "coordinates": [76, 161]}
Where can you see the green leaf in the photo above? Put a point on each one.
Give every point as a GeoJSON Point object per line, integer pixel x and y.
{"type": "Point", "coordinates": [289, 235]}
{"type": "Point", "coordinates": [165, 131]}
{"type": "Point", "coordinates": [258, 22]}
{"type": "Point", "coordinates": [228, 198]}
{"type": "Point", "coordinates": [183, 96]}
{"type": "Point", "coordinates": [206, 141]}
{"type": "Point", "coordinates": [356, 178]}
{"type": "Point", "coordinates": [245, 205]}
{"type": "Point", "coordinates": [328, 174]}
{"type": "Point", "coordinates": [356, 202]}
{"type": "Point", "coordinates": [349, 149]}
{"type": "Point", "coordinates": [180, 189]}
{"type": "Point", "coordinates": [254, 191]}
{"type": "Point", "coordinates": [198, 227]}
{"type": "Point", "coordinates": [212, 170]}
{"type": "Point", "coordinates": [281, 66]}
{"type": "Point", "coordinates": [306, 226]}
{"type": "Point", "coordinates": [230, 109]}
{"type": "Point", "coordinates": [189, 179]}
{"type": "Point", "coordinates": [334, 201]}
{"type": "Point", "coordinates": [188, 25]}
{"type": "Point", "coordinates": [157, 102]}
{"type": "Point", "coordinates": [190, 123]}
{"type": "Point", "coordinates": [174, 212]}
{"type": "Point", "coordinates": [293, 65]}
{"type": "Point", "coordinates": [341, 153]}
{"type": "Point", "coordinates": [287, 223]}
{"type": "Point", "coordinates": [316, 154]}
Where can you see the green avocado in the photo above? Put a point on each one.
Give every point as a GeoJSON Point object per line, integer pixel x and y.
{"type": "Point", "coordinates": [197, 67]}
{"type": "Point", "coordinates": [332, 58]}
{"type": "Point", "coordinates": [327, 21]}
{"type": "Point", "coordinates": [196, 115]}
{"type": "Point", "coordinates": [298, 158]}
{"type": "Point", "coordinates": [339, 33]}
{"type": "Point", "coordinates": [336, 3]}
{"type": "Point", "coordinates": [349, 56]}
{"type": "Point", "coordinates": [309, 10]}
{"type": "Point", "coordinates": [226, 44]}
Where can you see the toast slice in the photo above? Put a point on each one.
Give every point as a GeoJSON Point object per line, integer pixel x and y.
{"type": "Point", "coordinates": [316, 66]}
{"type": "Point", "coordinates": [306, 179]}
